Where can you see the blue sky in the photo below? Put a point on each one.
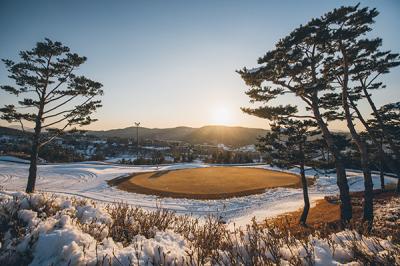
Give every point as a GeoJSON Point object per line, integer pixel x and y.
{"type": "Point", "coordinates": [172, 63]}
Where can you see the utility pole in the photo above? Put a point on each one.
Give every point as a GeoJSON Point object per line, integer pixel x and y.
{"type": "Point", "coordinates": [137, 139]}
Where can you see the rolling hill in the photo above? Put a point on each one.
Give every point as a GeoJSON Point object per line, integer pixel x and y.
{"type": "Point", "coordinates": [11, 131]}
{"type": "Point", "coordinates": [233, 136]}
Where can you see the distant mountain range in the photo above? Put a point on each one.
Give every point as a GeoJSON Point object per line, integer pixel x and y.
{"type": "Point", "coordinates": [13, 131]}
{"type": "Point", "coordinates": [232, 136]}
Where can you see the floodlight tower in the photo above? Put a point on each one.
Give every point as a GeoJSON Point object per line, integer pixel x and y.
{"type": "Point", "coordinates": [137, 139]}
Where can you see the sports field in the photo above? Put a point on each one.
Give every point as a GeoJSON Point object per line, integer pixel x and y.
{"type": "Point", "coordinates": [206, 183]}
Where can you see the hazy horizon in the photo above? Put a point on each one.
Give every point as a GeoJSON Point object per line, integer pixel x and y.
{"type": "Point", "coordinates": [169, 64]}
{"type": "Point", "coordinates": [16, 126]}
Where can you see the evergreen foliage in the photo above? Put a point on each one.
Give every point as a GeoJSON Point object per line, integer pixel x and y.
{"type": "Point", "coordinates": [289, 145]}
{"type": "Point", "coordinates": [329, 65]}
{"type": "Point", "coordinates": [53, 97]}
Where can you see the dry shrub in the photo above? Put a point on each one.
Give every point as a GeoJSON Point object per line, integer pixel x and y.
{"type": "Point", "coordinates": [208, 241]}
{"type": "Point", "coordinates": [129, 222]}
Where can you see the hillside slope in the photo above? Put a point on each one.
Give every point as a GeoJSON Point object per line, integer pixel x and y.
{"type": "Point", "coordinates": [232, 136]}
{"type": "Point", "coordinates": [13, 132]}
{"type": "Point", "coordinates": [176, 133]}
{"type": "Point", "coordinates": [235, 136]}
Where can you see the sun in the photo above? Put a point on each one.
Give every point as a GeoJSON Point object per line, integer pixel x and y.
{"type": "Point", "coordinates": [222, 115]}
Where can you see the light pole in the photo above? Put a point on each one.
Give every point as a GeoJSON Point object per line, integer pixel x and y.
{"type": "Point", "coordinates": [137, 139]}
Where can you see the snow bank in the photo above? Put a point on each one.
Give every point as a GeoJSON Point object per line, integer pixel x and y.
{"type": "Point", "coordinates": [42, 229]}
{"type": "Point", "coordinates": [13, 159]}
{"type": "Point", "coordinates": [58, 236]}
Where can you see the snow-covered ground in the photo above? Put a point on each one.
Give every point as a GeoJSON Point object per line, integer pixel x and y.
{"type": "Point", "coordinates": [119, 158]}
{"type": "Point", "coordinates": [63, 231]}
{"type": "Point", "coordinates": [88, 180]}
{"type": "Point", "coordinates": [46, 230]}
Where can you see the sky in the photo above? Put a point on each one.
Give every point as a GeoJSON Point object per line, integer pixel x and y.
{"type": "Point", "coordinates": [172, 63]}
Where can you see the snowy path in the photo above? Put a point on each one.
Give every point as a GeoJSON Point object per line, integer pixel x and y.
{"type": "Point", "coordinates": [89, 180]}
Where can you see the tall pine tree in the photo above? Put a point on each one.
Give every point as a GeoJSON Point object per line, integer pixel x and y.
{"type": "Point", "coordinates": [354, 59]}
{"type": "Point", "coordinates": [54, 98]}
{"type": "Point", "coordinates": [387, 129]}
{"type": "Point", "coordinates": [345, 25]}
{"type": "Point", "coordinates": [289, 144]}
{"type": "Point", "coordinates": [330, 65]}
{"type": "Point", "coordinates": [295, 67]}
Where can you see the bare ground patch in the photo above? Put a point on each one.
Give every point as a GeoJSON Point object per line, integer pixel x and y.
{"type": "Point", "coordinates": [324, 217]}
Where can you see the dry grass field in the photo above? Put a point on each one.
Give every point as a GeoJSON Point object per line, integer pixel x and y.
{"type": "Point", "coordinates": [325, 216]}
{"type": "Point", "coordinates": [206, 183]}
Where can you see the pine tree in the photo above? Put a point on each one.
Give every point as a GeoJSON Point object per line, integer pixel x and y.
{"type": "Point", "coordinates": [345, 26]}
{"type": "Point", "coordinates": [55, 99]}
{"type": "Point", "coordinates": [371, 64]}
{"type": "Point", "coordinates": [328, 63]}
{"type": "Point", "coordinates": [294, 67]}
{"type": "Point", "coordinates": [289, 145]}
{"type": "Point", "coordinates": [353, 58]}
{"type": "Point", "coordinates": [387, 129]}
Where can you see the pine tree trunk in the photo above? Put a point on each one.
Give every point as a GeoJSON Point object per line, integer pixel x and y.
{"type": "Point", "coordinates": [362, 148]}
{"type": "Point", "coordinates": [303, 217]}
{"type": "Point", "coordinates": [345, 200]}
{"type": "Point", "coordinates": [346, 210]}
{"type": "Point", "coordinates": [382, 178]}
{"type": "Point", "coordinates": [30, 188]}
{"type": "Point", "coordinates": [381, 172]}
{"type": "Point", "coordinates": [398, 184]}
{"type": "Point", "coordinates": [368, 193]}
